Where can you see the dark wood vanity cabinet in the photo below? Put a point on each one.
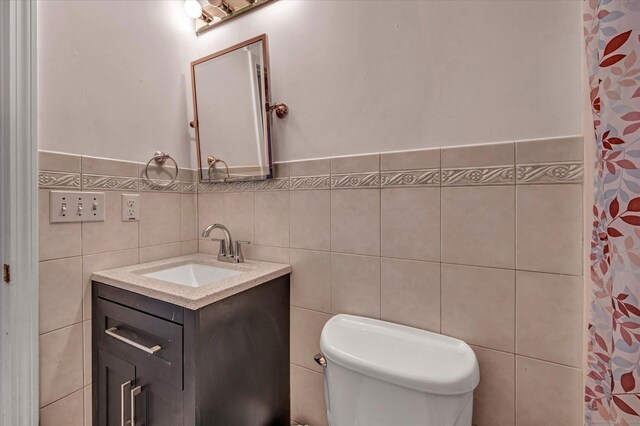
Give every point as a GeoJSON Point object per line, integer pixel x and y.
{"type": "Point", "coordinates": [224, 364]}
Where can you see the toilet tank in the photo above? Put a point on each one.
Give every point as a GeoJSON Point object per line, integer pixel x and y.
{"type": "Point", "coordinates": [380, 374]}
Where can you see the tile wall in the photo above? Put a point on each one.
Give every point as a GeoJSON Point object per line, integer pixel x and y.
{"type": "Point", "coordinates": [70, 252]}
{"type": "Point", "coordinates": [483, 243]}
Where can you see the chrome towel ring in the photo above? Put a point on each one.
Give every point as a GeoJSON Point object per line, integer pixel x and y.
{"type": "Point", "coordinates": [160, 158]}
{"type": "Point", "coordinates": [212, 164]}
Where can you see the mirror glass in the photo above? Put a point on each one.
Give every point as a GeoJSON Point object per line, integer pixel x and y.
{"type": "Point", "coordinates": [231, 117]}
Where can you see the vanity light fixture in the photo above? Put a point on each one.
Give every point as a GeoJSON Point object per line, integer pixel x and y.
{"type": "Point", "coordinates": [222, 6]}
{"type": "Point", "coordinates": [194, 10]}
{"type": "Point", "coordinates": [209, 13]}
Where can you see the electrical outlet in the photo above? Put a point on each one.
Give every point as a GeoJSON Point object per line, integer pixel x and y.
{"type": "Point", "coordinates": [76, 206]}
{"type": "Point", "coordinates": [130, 207]}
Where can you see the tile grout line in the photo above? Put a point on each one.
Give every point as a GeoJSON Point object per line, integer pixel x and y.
{"type": "Point", "coordinates": [306, 368]}
{"type": "Point", "coordinates": [441, 239]}
{"type": "Point", "coordinates": [380, 234]}
{"type": "Point", "coordinates": [560, 364]}
{"type": "Point", "coordinates": [330, 244]}
{"type": "Point", "coordinates": [84, 414]}
{"type": "Point", "coordinates": [64, 327]}
{"type": "Point", "coordinates": [515, 253]}
{"type": "Point", "coordinates": [289, 242]}
{"type": "Point", "coordinates": [515, 284]}
{"type": "Point", "coordinates": [66, 396]}
{"type": "Point", "coordinates": [310, 309]}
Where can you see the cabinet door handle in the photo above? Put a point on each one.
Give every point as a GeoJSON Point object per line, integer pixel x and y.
{"type": "Point", "coordinates": [134, 392]}
{"type": "Point", "coordinates": [122, 388]}
{"type": "Point", "coordinates": [112, 332]}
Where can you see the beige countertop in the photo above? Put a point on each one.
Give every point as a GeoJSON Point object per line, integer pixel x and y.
{"type": "Point", "coordinates": [132, 278]}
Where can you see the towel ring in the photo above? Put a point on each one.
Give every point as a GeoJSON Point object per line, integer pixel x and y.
{"type": "Point", "coordinates": [160, 158]}
{"type": "Point", "coordinates": [212, 164]}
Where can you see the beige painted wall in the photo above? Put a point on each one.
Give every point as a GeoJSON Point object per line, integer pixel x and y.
{"type": "Point", "coordinates": [359, 76]}
{"type": "Point", "coordinates": [113, 79]}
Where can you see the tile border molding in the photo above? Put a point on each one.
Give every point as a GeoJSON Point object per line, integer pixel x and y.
{"type": "Point", "coordinates": [550, 173]}
{"type": "Point", "coordinates": [500, 175]}
{"type": "Point", "coordinates": [508, 174]}
{"type": "Point", "coordinates": [525, 174]}
{"type": "Point", "coordinates": [272, 185]}
{"type": "Point", "coordinates": [355, 180]}
{"type": "Point", "coordinates": [109, 182]}
{"type": "Point", "coordinates": [428, 177]}
{"type": "Point", "coordinates": [81, 181]}
{"type": "Point", "coordinates": [310, 182]}
{"type": "Point", "coordinates": [226, 187]}
{"type": "Point", "coordinates": [58, 180]}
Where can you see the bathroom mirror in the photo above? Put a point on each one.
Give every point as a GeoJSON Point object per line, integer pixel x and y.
{"type": "Point", "coordinates": [231, 108]}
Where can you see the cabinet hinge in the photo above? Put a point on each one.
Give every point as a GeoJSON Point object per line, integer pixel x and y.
{"type": "Point", "coordinates": [6, 273]}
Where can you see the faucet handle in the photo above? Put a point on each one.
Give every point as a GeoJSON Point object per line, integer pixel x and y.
{"type": "Point", "coordinates": [239, 255]}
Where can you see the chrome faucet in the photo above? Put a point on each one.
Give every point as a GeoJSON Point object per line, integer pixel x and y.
{"type": "Point", "coordinates": [228, 252]}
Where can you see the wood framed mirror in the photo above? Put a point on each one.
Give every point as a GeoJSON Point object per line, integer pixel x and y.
{"type": "Point", "coordinates": [232, 119]}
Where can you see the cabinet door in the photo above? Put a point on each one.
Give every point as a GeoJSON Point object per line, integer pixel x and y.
{"type": "Point", "coordinates": [157, 404]}
{"type": "Point", "coordinates": [116, 378]}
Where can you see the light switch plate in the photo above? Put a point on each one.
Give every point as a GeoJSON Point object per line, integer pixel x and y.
{"type": "Point", "coordinates": [76, 206]}
{"type": "Point", "coordinates": [130, 207]}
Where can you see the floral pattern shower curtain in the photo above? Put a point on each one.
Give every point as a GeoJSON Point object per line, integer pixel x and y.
{"type": "Point", "coordinates": [612, 37]}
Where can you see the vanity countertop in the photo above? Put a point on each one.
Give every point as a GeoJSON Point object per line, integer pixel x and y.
{"type": "Point", "coordinates": [132, 278]}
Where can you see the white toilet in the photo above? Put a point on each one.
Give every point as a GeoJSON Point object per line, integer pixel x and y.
{"type": "Point", "coordinates": [383, 374]}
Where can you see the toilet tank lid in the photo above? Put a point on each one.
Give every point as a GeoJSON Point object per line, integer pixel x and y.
{"type": "Point", "coordinates": [406, 356]}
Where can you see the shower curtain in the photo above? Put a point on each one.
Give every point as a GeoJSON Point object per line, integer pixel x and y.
{"type": "Point", "coordinates": [612, 39]}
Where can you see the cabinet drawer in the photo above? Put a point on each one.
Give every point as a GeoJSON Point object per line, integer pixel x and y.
{"type": "Point", "coordinates": [153, 344]}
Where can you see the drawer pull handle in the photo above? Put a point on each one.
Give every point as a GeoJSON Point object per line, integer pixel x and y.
{"type": "Point", "coordinates": [122, 388]}
{"type": "Point", "coordinates": [112, 332]}
{"type": "Point", "coordinates": [134, 392]}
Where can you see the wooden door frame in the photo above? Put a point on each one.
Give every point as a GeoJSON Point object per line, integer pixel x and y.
{"type": "Point", "coordinates": [19, 396]}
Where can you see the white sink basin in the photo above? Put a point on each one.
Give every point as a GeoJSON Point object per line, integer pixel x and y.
{"type": "Point", "coordinates": [193, 274]}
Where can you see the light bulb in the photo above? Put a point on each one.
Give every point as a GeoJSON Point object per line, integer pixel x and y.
{"type": "Point", "coordinates": [193, 9]}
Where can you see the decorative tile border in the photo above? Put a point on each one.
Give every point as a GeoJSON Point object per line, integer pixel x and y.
{"type": "Point", "coordinates": [310, 182]}
{"type": "Point", "coordinates": [188, 187]}
{"type": "Point", "coordinates": [145, 185]}
{"type": "Point", "coordinates": [110, 182]}
{"type": "Point", "coordinates": [501, 175]}
{"type": "Point", "coordinates": [356, 180]}
{"type": "Point", "coordinates": [523, 174]}
{"type": "Point", "coordinates": [239, 186]}
{"type": "Point", "coordinates": [58, 180]}
{"type": "Point", "coordinates": [549, 173]}
{"type": "Point", "coordinates": [177, 186]}
{"type": "Point", "coordinates": [226, 187]}
{"type": "Point", "coordinates": [429, 177]}
{"type": "Point", "coordinates": [543, 173]}
{"type": "Point", "coordinates": [78, 181]}
{"type": "Point", "coordinates": [273, 185]}
{"type": "Point", "coordinates": [210, 187]}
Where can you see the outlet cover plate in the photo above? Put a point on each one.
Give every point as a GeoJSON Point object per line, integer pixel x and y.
{"type": "Point", "coordinates": [130, 207]}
